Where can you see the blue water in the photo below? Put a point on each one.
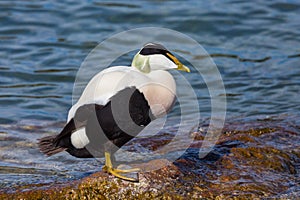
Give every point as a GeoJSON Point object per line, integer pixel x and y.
{"type": "Point", "coordinates": [256, 46]}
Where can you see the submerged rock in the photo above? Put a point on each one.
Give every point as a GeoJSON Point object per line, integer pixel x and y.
{"type": "Point", "coordinates": [252, 159]}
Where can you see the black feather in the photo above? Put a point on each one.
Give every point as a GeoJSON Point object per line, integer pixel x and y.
{"type": "Point", "coordinates": [48, 147]}
{"type": "Point", "coordinates": [121, 119]}
{"type": "Point", "coordinates": [153, 48]}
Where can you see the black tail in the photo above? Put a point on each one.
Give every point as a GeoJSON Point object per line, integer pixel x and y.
{"type": "Point", "coordinates": [48, 145]}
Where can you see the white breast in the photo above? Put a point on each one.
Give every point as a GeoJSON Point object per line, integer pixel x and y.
{"type": "Point", "coordinates": [160, 92]}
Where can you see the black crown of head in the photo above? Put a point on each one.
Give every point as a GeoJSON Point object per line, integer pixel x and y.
{"type": "Point", "coordinates": [153, 48]}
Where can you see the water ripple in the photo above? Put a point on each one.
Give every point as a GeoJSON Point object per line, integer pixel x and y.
{"type": "Point", "coordinates": [43, 43]}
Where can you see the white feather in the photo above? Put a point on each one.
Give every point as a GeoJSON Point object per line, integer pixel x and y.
{"type": "Point", "coordinates": [159, 62]}
{"type": "Point", "coordinates": [79, 139]}
{"type": "Point", "coordinates": [158, 86]}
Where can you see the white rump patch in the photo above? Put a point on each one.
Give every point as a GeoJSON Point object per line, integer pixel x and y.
{"type": "Point", "coordinates": [79, 139]}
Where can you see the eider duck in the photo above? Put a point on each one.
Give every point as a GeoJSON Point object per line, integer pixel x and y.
{"type": "Point", "coordinates": [116, 105]}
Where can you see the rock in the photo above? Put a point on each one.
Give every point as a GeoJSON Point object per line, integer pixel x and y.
{"type": "Point", "coordinates": [253, 159]}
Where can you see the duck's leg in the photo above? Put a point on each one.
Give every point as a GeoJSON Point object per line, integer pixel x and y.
{"type": "Point", "coordinates": [108, 167]}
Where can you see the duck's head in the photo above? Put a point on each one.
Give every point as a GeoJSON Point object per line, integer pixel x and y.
{"type": "Point", "coordinates": [156, 57]}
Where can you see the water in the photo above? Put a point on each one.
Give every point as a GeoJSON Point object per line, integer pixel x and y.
{"type": "Point", "coordinates": [256, 47]}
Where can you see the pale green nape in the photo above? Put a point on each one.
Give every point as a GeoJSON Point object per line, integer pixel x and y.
{"type": "Point", "coordinates": [141, 62]}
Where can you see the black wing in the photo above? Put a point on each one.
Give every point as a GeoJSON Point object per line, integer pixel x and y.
{"type": "Point", "coordinates": [121, 119]}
